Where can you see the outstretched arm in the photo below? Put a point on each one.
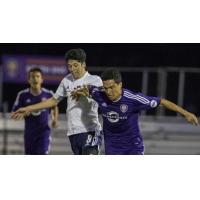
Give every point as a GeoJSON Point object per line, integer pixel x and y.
{"type": "Point", "coordinates": [24, 111]}
{"type": "Point", "coordinates": [190, 117]}
{"type": "Point", "coordinates": [54, 116]}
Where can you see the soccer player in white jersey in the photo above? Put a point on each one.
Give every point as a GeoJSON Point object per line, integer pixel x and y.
{"type": "Point", "coordinates": [120, 109]}
{"type": "Point", "coordinates": [83, 127]}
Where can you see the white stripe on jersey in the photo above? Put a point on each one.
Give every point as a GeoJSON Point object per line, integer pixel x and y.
{"type": "Point", "coordinates": [136, 97]}
{"type": "Point", "coordinates": [141, 97]}
{"type": "Point", "coordinates": [48, 91]}
{"type": "Point", "coordinates": [18, 95]}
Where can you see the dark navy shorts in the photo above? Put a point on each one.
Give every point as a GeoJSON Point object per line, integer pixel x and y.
{"type": "Point", "coordinates": [84, 144]}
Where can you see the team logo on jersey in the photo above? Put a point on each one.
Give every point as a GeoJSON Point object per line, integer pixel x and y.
{"type": "Point", "coordinates": [113, 117]}
{"type": "Point", "coordinates": [104, 104]}
{"type": "Point", "coordinates": [36, 113]}
{"type": "Point", "coordinates": [153, 103]}
{"type": "Point", "coordinates": [28, 101]}
{"type": "Point", "coordinates": [123, 108]}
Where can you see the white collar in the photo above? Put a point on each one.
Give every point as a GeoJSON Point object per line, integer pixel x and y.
{"type": "Point", "coordinates": [86, 74]}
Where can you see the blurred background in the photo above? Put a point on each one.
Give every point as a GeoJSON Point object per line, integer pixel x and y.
{"type": "Point", "coordinates": [167, 70]}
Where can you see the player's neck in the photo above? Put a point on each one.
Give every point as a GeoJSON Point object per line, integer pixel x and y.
{"type": "Point", "coordinates": [118, 97]}
{"type": "Point", "coordinates": [81, 75]}
{"type": "Point", "coordinates": [35, 91]}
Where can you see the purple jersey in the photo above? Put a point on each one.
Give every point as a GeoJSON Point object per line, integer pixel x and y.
{"type": "Point", "coordinates": [120, 120]}
{"type": "Point", "coordinates": [37, 129]}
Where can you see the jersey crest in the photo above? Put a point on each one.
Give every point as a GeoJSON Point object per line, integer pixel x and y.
{"type": "Point", "coordinates": [124, 108]}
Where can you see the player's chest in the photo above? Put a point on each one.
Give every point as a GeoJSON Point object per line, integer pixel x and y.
{"type": "Point", "coordinates": [115, 112]}
{"type": "Point", "coordinates": [29, 100]}
{"type": "Point", "coordinates": [71, 86]}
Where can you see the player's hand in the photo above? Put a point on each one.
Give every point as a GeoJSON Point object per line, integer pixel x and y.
{"type": "Point", "coordinates": [76, 94]}
{"type": "Point", "coordinates": [191, 118]}
{"type": "Point", "coordinates": [20, 113]}
{"type": "Point", "coordinates": [54, 123]}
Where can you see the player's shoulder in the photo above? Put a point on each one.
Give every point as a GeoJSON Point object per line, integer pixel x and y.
{"type": "Point", "coordinates": [67, 78]}
{"type": "Point", "coordinates": [128, 93]}
{"type": "Point", "coordinates": [94, 89]}
{"type": "Point", "coordinates": [23, 92]}
{"type": "Point", "coordinates": [94, 80]}
{"type": "Point", "coordinates": [92, 76]}
{"type": "Point", "coordinates": [47, 91]}
{"type": "Point", "coordinates": [135, 96]}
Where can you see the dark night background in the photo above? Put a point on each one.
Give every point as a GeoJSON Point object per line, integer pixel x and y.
{"type": "Point", "coordinates": [112, 54]}
{"type": "Point", "coordinates": [122, 54]}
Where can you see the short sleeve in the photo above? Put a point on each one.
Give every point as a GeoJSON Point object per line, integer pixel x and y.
{"type": "Point", "coordinates": [144, 102]}
{"type": "Point", "coordinates": [95, 92]}
{"type": "Point", "coordinates": [18, 102]}
{"type": "Point", "coordinates": [60, 92]}
{"type": "Point", "coordinates": [97, 82]}
{"type": "Point", "coordinates": [140, 101]}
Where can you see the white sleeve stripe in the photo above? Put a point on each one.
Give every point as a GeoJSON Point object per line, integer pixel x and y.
{"type": "Point", "coordinates": [18, 96]}
{"type": "Point", "coordinates": [17, 100]}
{"type": "Point", "coordinates": [141, 97]}
{"type": "Point", "coordinates": [137, 97]}
{"type": "Point", "coordinates": [48, 91]}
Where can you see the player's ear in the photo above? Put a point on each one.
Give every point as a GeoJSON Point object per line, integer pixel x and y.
{"type": "Point", "coordinates": [84, 64]}
{"type": "Point", "coordinates": [120, 84]}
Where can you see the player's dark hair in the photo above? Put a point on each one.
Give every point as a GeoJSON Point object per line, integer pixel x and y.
{"type": "Point", "coordinates": [35, 69]}
{"type": "Point", "coordinates": [110, 74]}
{"type": "Point", "coordinates": [76, 54]}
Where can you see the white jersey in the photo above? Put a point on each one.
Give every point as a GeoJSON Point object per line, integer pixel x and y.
{"type": "Point", "coordinates": [82, 115]}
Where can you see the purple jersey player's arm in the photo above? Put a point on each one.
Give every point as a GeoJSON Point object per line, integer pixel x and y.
{"type": "Point", "coordinates": [190, 117]}
{"type": "Point", "coordinates": [21, 112]}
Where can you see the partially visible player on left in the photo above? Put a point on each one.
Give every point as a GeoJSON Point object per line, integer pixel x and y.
{"type": "Point", "coordinates": [37, 134]}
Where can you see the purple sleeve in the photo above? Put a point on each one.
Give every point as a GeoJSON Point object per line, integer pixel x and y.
{"type": "Point", "coordinates": [18, 102]}
{"type": "Point", "coordinates": [95, 92]}
{"type": "Point", "coordinates": [146, 102]}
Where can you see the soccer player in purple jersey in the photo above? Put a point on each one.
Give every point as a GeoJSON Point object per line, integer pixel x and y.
{"type": "Point", "coordinates": [37, 130]}
{"type": "Point", "coordinates": [120, 109]}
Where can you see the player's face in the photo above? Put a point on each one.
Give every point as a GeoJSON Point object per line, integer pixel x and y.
{"type": "Point", "coordinates": [112, 89]}
{"type": "Point", "coordinates": [35, 80]}
{"type": "Point", "coordinates": [77, 69]}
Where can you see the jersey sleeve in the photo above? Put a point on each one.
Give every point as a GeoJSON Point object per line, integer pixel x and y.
{"type": "Point", "coordinates": [60, 92]}
{"type": "Point", "coordinates": [95, 92]}
{"type": "Point", "coordinates": [51, 93]}
{"type": "Point", "coordinates": [18, 102]}
{"type": "Point", "coordinates": [144, 102]}
{"type": "Point", "coordinates": [97, 82]}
